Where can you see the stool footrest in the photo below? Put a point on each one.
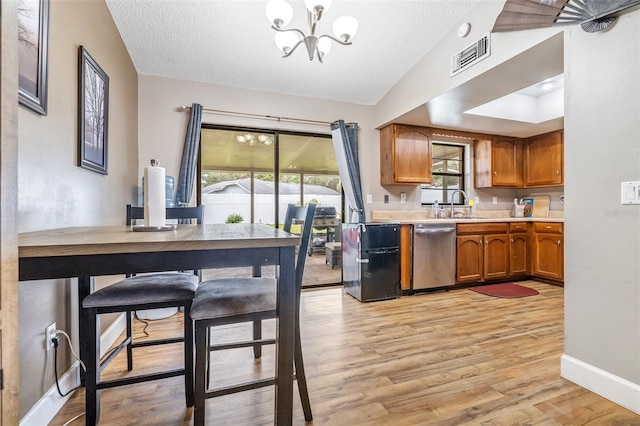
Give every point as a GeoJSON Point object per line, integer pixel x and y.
{"type": "Point", "coordinates": [228, 390]}
{"type": "Point", "coordinates": [139, 379]}
{"type": "Point", "coordinates": [157, 342]}
{"type": "Point", "coordinates": [245, 344]}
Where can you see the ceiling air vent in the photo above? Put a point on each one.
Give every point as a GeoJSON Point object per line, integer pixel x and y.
{"type": "Point", "coordinates": [470, 55]}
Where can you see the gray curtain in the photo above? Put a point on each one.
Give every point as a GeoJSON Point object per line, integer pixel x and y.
{"type": "Point", "coordinates": [188, 167]}
{"type": "Point", "coordinates": [345, 145]}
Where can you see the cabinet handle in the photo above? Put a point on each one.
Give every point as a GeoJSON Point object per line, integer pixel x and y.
{"type": "Point", "coordinates": [495, 173]}
{"type": "Point", "coordinates": [546, 227]}
{"type": "Point", "coordinates": [557, 172]}
{"type": "Point", "coordinates": [558, 242]}
{"type": "Point", "coordinates": [486, 243]}
{"type": "Point", "coordinates": [512, 240]}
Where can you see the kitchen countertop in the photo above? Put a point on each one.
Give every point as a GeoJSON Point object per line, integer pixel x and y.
{"type": "Point", "coordinates": [468, 220]}
{"type": "Point", "coordinates": [486, 216]}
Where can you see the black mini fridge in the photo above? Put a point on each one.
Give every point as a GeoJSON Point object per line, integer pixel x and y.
{"type": "Point", "coordinates": [371, 260]}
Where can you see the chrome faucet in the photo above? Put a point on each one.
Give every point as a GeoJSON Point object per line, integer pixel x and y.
{"type": "Point", "coordinates": [465, 198]}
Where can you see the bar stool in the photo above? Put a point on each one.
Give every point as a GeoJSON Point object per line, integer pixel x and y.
{"type": "Point", "coordinates": [142, 292]}
{"type": "Point", "coordinates": [224, 301]}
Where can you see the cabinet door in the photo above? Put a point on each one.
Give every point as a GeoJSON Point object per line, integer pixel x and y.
{"type": "Point", "coordinates": [496, 256]}
{"type": "Point", "coordinates": [518, 255]}
{"type": "Point", "coordinates": [498, 163]}
{"type": "Point", "coordinates": [548, 256]}
{"type": "Point", "coordinates": [469, 258]}
{"type": "Point", "coordinates": [544, 160]}
{"type": "Point", "coordinates": [405, 256]}
{"type": "Point", "coordinates": [405, 155]}
{"type": "Point", "coordinates": [506, 163]}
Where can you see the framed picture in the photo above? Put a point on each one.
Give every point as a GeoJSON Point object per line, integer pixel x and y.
{"type": "Point", "coordinates": [93, 113]}
{"type": "Point", "coordinates": [33, 40]}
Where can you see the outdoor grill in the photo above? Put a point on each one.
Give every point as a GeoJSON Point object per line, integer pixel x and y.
{"type": "Point", "coordinates": [325, 216]}
{"type": "Point", "coordinates": [325, 223]}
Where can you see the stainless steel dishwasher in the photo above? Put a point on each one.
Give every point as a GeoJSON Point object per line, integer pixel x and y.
{"type": "Point", "coordinates": [434, 255]}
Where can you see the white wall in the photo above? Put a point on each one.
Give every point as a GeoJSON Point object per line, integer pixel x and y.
{"type": "Point", "coordinates": [602, 237]}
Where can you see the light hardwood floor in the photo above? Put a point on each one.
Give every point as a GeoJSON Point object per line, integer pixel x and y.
{"type": "Point", "coordinates": [447, 358]}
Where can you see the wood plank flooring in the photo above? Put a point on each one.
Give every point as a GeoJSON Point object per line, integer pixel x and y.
{"type": "Point", "coordinates": [447, 358]}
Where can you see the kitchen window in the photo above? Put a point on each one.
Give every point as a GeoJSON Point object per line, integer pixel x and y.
{"type": "Point", "coordinates": [447, 165]}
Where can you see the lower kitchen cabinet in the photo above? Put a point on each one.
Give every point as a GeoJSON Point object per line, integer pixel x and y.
{"type": "Point", "coordinates": [482, 252]}
{"type": "Point", "coordinates": [406, 244]}
{"type": "Point", "coordinates": [547, 257]}
{"type": "Point", "coordinates": [518, 250]}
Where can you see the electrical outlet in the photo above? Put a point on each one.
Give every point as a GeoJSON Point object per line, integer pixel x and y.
{"type": "Point", "coordinates": [386, 199]}
{"type": "Point", "coordinates": [403, 197]}
{"type": "Point", "coordinates": [49, 333]}
{"type": "Point", "coordinates": [495, 200]}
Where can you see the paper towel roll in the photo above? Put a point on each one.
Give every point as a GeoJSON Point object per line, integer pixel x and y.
{"type": "Point", "coordinates": [154, 208]}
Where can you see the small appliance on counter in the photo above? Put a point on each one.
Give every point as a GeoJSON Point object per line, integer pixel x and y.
{"type": "Point", "coordinates": [371, 260]}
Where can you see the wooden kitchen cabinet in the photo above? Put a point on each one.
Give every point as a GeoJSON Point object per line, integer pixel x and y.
{"type": "Point", "coordinates": [518, 250]}
{"type": "Point", "coordinates": [406, 244]}
{"type": "Point", "coordinates": [547, 257]}
{"type": "Point", "coordinates": [405, 155]}
{"type": "Point", "coordinates": [482, 252]}
{"type": "Point", "coordinates": [543, 159]}
{"type": "Point", "coordinates": [498, 163]}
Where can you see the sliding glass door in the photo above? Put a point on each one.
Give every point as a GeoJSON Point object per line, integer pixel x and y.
{"type": "Point", "coordinates": [251, 175]}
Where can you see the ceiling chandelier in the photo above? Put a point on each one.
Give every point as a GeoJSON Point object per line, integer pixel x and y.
{"type": "Point", "coordinates": [250, 139]}
{"type": "Point", "coordinates": [279, 13]}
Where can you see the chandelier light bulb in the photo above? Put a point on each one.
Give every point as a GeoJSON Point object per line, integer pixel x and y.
{"type": "Point", "coordinates": [345, 28]}
{"type": "Point", "coordinates": [279, 13]}
{"type": "Point", "coordinates": [286, 40]}
{"type": "Point", "coordinates": [317, 6]}
{"type": "Point", "coordinates": [324, 46]}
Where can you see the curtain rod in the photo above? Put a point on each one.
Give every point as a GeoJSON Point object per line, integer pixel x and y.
{"type": "Point", "coordinates": [263, 117]}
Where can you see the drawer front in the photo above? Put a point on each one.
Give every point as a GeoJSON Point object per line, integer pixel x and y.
{"type": "Point", "coordinates": [482, 228]}
{"type": "Point", "coordinates": [547, 227]}
{"type": "Point", "coordinates": [517, 227]}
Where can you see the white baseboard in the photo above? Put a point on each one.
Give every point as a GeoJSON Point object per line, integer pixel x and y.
{"type": "Point", "coordinates": [605, 384]}
{"type": "Point", "coordinates": [48, 406]}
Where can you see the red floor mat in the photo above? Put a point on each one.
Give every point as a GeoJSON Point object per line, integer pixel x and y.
{"type": "Point", "coordinates": [508, 290]}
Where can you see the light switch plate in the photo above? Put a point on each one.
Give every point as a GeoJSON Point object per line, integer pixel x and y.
{"type": "Point", "coordinates": [369, 198]}
{"type": "Point", "coordinates": [630, 192]}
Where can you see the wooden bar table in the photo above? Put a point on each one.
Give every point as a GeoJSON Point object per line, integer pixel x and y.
{"type": "Point", "coordinates": [85, 252]}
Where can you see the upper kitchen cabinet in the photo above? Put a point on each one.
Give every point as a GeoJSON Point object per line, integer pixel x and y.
{"type": "Point", "coordinates": [498, 163]}
{"type": "Point", "coordinates": [405, 155]}
{"type": "Point", "coordinates": [544, 160]}
{"type": "Point", "coordinates": [519, 163]}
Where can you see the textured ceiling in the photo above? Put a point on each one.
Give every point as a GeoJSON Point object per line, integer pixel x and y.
{"type": "Point", "coordinates": [230, 42]}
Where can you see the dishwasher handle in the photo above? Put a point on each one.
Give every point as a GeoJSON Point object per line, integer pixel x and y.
{"type": "Point", "coordinates": [434, 231]}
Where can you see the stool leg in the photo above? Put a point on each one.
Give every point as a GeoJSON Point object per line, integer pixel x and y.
{"type": "Point", "coordinates": [129, 317]}
{"type": "Point", "coordinates": [188, 356]}
{"type": "Point", "coordinates": [257, 335]}
{"type": "Point", "coordinates": [301, 378]}
{"type": "Point", "coordinates": [202, 351]}
{"type": "Point", "coordinates": [92, 375]}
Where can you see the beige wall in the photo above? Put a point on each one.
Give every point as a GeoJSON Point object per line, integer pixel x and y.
{"type": "Point", "coordinates": [163, 125]}
{"type": "Point", "coordinates": [52, 190]}
{"type": "Point", "coordinates": [602, 237]}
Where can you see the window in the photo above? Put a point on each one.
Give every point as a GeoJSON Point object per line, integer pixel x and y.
{"type": "Point", "coordinates": [448, 174]}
